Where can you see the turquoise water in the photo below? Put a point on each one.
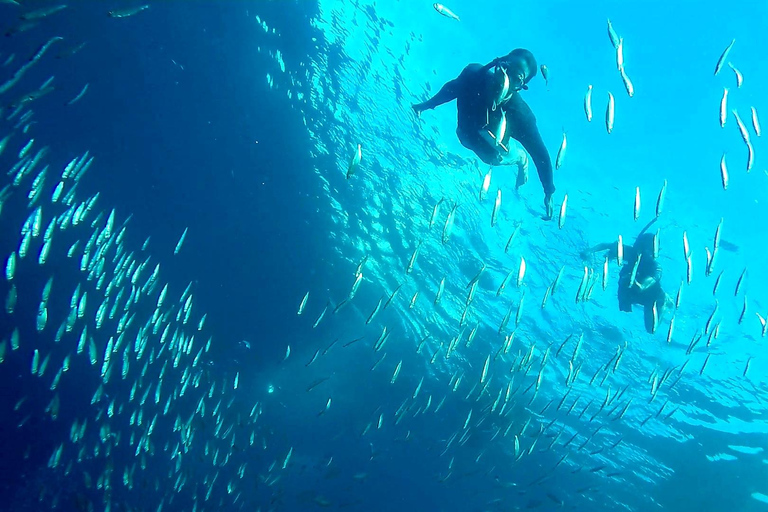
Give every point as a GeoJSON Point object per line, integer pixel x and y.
{"type": "Point", "coordinates": [237, 121]}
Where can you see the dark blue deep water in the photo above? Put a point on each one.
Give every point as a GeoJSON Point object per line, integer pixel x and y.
{"type": "Point", "coordinates": [237, 121]}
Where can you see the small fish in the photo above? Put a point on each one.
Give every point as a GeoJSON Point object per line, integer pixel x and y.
{"type": "Point", "coordinates": [545, 74]}
{"type": "Point", "coordinates": [449, 221]}
{"type": "Point", "coordinates": [743, 314]}
{"type": "Point", "coordinates": [25, 150]}
{"type": "Point", "coordinates": [503, 284]}
{"type": "Point", "coordinates": [322, 315]}
{"type": "Point", "coordinates": [511, 238]}
{"type": "Point", "coordinates": [763, 323]}
{"type": "Point", "coordinates": [588, 103]}
{"type": "Point", "coordinates": [660, 200]}
{"type": "Point", "coordinates": [706, 360]}
{"type": "Point", "coordinates": [633, 276]}
{"type": "Point", "coordinates": [397, 372]}
{"type": "Point", "coordinates": [316, 383]}
{"type": "Point", "coordinates": [70, 51]}
{"type": "Point", "coordinates": [605, 274]}
{"type": "Point", "coordinates": [671, 330]}
{"type": "Point", "coordinates": [620, 251]}
{"type": "Point", "coordinates": [391, 297]}
{"type": "Point", "coordinates": [359, 268]}
{"type": "Point", "coordinates": [557, 279]}
{"type": "Point", "coordinates": [755, 122]}
{"type": "Point", "coordinates": [717, 283]}
{"type": "Point", "coordinates": [620, 54]}
{"type": "Point", "coordinates": [716, 241]}
{"type": "Point", "coordinates": [739, 76]}
{"type": "Point", "coordinates": [563, 207]}
{"type": "Point", "coordinates": [181, 241]}
{"type": "Point", "coordinates": [354, 163]}
{"type": "Point", "coordinates": [500, 131]}
{"type": "Point", "coordinates": [440, 290]}
{"type": "Point", "coordinates": [496, 207]}
{"type": "Point", "coordinates": [724, 108]}
{"type": "Point", "coordinates": [627, 82]}
{"type": "Point", "coordinates": [79, 95]}
{"type": "Point", "coordinates": [10, 267]}
{"type": "Point", "coordinates": [561, 153]}
{"type": "Point", "coordinates": [502, 93]}
{"type": "Point", "coordinates": [724, 172]}
{"type": "Point", "coordinates": [41, 13]}
{"type": "Point", "coordinates": [477, 276]}
{"type": "Point", "coordinates": [742, 129]}
{"type": "Point", "coordinates": [412, 261]}
{"type": "Point", "coordinates": [583, 284]}
{"type": "Point", "coordinates": [750, 156]}
{"type": "Point", "coordinates": [355, 286]}
{"type": "Point", "coordinates": [35, 362]}
{"type": "Point", "coordinates": [711, 319]}
{"type": "Point", "coordinates": [445, 11]}
{"type": "Point", "coordinates": [612, 35]}
{"type": "Point", "coordinates": [609, 113]}
{"type": "Point", "coordinates": [303, 303]}
{"type": "Point", "coordinates": [486, 184]}
{"type": "Point", "coordinates": [740, 282]}
{"type": "Point", "coordinates": [435, 211]}
{"type": "Point", "coordinates": [519, 314]}
{"type": "Point", "coordinates": [124, 13]}
{"type": "Point", "coordinates": [637, 203]}
{"type": "Point", "coordinates": [521, 272]}
{"type": "Point", "coordinates": [375, 311]}
{"type": "Point", "coordinates": [723, 57]}
{"type": "Point", "coordinates": [314, 358]}
{"type": "Point", "coordinates": [546, 296]}
{"type": "Point", "coordinates": [483, 375]}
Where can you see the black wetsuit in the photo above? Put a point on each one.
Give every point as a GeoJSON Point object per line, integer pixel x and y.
{"type": "Point", "coordinates": [474, 111]}
{"type": "Point", "coordinates": [653, 295]}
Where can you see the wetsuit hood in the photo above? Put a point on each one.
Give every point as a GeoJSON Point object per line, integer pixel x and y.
{"type": "Point", "coordinates": [644, 245]}
{"type": "Point", "coordinates": [521, 62]}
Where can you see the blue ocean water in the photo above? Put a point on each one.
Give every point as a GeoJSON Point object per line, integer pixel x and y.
{"type": "Point", "coordinates": [237, 121]}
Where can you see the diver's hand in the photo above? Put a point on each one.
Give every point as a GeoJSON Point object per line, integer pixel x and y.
{"type": "Point", "coordinates": [585, 254]}
{"type": "Point", "coordinates": [549, 207]}
{"type": "Point", "coordinates": [417, 109]}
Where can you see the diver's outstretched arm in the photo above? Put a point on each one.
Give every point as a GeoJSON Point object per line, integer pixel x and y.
{"type": "Point", "coordinates": [611, 246]}
{"type": "Point", "coordinates": [447, 93]}
{"type": "Point", "coordinates": [599, 248]}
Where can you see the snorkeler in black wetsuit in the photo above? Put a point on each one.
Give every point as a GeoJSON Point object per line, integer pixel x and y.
{"type": "Point", "coordinates": [482, 94]}
{"type": "Point", "coordinates": [646, 289]}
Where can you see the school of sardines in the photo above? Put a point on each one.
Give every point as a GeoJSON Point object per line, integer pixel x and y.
{"type": "Point", "coordinates": [512, 373]}
{"type": "Point", "coordinates": [138, 348]}
{"type": "Point", "coordinates": [121, 338]}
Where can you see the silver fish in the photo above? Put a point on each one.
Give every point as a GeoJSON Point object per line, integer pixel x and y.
{"type": "Point", "coordinates": [723, 57]}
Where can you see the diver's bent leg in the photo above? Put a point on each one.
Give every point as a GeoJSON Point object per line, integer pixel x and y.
{"type": "Point", "coordinates": [624, 296]}
{"type": "Point", "coordinates": [474, 142]}
{"type": "Point", "coordinates": [650, 326]}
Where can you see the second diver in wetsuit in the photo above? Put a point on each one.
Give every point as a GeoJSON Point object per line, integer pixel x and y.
{"type": "Point", "coordinates": [488, 102]}
{"type": "Point", "coordinates": [646, 288]}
